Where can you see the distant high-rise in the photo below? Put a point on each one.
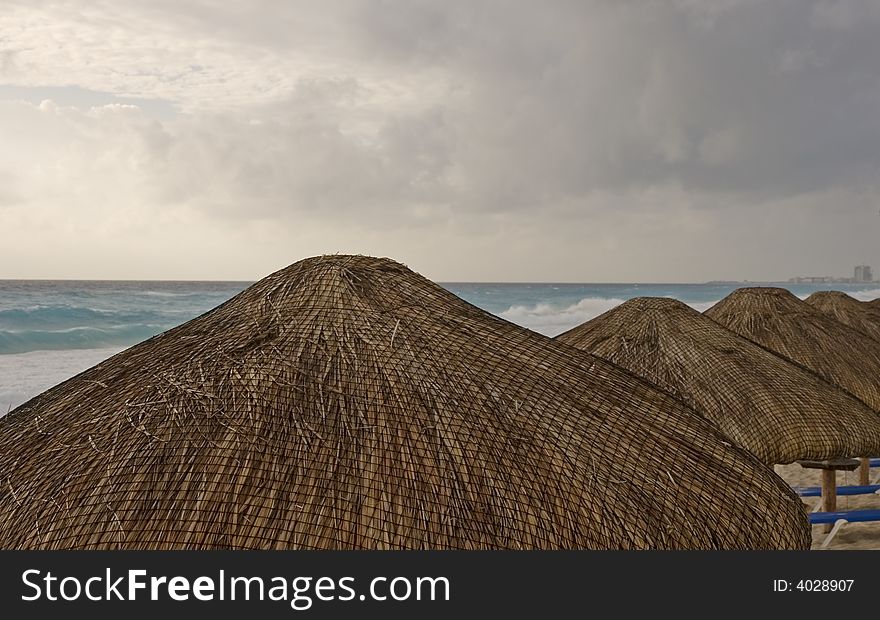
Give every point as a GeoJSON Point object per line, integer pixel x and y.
{"type": "Point", "coordinates": [863, 273]}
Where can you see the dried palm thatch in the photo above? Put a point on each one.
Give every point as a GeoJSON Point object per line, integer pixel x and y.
{"type": "Point", "coordinates": [779, 321]}
{"type": "Point", "coordinates": [346, 402]}
{"type": "Point", "coordinates": [859, 315]}
{"type": "Point", "coordinates": [777, 410]}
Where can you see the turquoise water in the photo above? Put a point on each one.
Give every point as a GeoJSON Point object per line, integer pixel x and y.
{"type": "Point", "coordinates": [553, 308]}
{"type": "Point", "coordinates": [51, 330]}
{"type": "Point", "coordinates": [46, 315]}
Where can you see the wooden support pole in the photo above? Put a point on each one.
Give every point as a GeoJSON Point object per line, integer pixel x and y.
{"type": "Point", "coordinates": [829, 493]}
{"type": "Point", "coordinates": [864, 471]}
{"type": "Point", "coordinates": [829, 480]}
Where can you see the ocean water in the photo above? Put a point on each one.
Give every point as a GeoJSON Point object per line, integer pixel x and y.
{"type": "Point", "coordinates": [51, 330]}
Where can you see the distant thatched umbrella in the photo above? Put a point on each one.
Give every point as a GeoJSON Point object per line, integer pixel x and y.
{"type": "Point", "coordinates": [774, 408]}
{"type": "Point", "coordinates": [779, 321]}
{"type": "Point", "coordinates": [857, 314]}
{"type": "Point", "coordinates": [347, 402]}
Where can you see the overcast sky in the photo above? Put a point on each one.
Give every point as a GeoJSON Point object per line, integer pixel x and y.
{"type": "Point", "coordinates": [667, 140]}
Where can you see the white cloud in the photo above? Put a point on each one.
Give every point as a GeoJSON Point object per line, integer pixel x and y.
{"type": "Point", "coordinates": [590, 140]}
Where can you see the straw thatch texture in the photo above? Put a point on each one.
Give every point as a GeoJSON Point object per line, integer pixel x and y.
{"type": "Point", "coordinates": [779, 321]}
{"type": "Point", "coordinates": [777, 410]}
{"type": "Point", "coordinates": [347, 402]}
{"type": "Point", "coordinates": [859, 315]}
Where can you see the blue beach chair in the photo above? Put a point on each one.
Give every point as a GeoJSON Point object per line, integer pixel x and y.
{"type": "Point", "coordinates": [870, 489]}
{"type": "Point", "coordinates": [839, 519]}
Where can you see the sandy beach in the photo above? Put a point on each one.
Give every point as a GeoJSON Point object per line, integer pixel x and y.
{"type": "Point", "coordinates": [853, 535]}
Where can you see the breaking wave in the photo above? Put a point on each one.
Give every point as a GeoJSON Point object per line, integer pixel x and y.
{"type": "Point", "coordinates": [23, 341]}
{"type": "Point", "coordinates": [552, 320]}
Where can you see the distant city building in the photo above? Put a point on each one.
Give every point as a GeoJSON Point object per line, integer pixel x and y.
{"type": "Point", "coordinates": [863, 273]}
{"type": "Point", "coordinates": [816, 280]}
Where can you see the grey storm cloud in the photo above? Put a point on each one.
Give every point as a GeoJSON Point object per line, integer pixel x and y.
{"type": "Point", "coordinates": [652, 130]}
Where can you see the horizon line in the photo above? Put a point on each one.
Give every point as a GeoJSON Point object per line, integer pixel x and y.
{"type": "Point", "coordinates": [832, 280]}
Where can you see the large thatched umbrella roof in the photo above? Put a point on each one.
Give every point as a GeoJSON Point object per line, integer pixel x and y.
{"type": "Point", "coordinates": [857, 314]}
{"type": "Point", "coordinates": [347, 402]}
{"type": "Point", "coordinates": [779, 321]}
{"type": "Point", "coordinates": [774, 408]}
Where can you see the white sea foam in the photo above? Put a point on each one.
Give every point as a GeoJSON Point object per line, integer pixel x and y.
{"type": "Point", "coordinates": [702, 306]}
{"type": "Point", "coordinates": [25, 375]}
{"type": "Point", "coordinates": [552, 320]}
{"type": "Point", "coordinates": [163, 294]}
{"type": "Point", "coordinates": [866, 295]}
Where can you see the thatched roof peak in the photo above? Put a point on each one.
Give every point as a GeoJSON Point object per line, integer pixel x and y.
{"type": "Point", "coordinates": [342, 269]}
{"type": "Point", "coordinates": [638, 316]}
{"type": "Point", "coordinates": [757, 296]}
{"type": "Point", "coordinates": [762, 290]}
{"type": "Point", "coordinates": [837, 295]}
{"type": "Point", "coordinates": [859, 315]}
{"type": "Point", "coordinates": [331, 281]}
{"type": "Point", "coordinates": [348, 402]}
{"type": "Point", "coordinates": [798, 331]}
{"type": "Point", "coordinates": [664, 304]}
{"type": "Point", "coordinates": [776, 409]}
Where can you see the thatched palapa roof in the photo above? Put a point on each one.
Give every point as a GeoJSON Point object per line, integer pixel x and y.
{"type": "Point", "coordinates": [777, 410]}
{"type": "Point", "coordinates": [857, 314]}
{"type": "Point", "coordinates": [779, 321]}
{"type": "Point", "coordinates": [346, 402]}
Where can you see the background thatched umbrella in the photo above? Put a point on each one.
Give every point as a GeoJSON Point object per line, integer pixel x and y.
{"type": "Point", "coordinates": [347, 402]}
{"type": "Point", "coordinates": [859, 315]}
{"type": "Point", "coordinates": [779, 321]}
{"type": "Point", "coordinates": [776, 409]}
